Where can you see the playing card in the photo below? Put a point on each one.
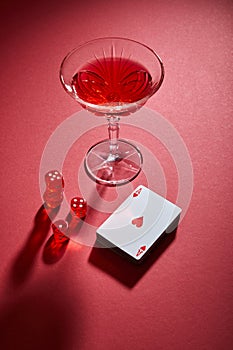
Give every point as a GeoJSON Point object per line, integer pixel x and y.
{"type": "Point", "coordinates": [138, 222]}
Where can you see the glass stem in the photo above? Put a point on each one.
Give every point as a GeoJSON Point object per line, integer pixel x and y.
{"type": "Point", "coordinates": [113, 135]}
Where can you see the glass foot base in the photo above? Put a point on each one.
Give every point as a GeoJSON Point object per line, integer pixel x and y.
{"type": "Point", "coordinates": [113, 169]}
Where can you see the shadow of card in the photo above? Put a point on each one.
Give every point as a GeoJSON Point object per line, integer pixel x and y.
{"type": "Point", "coordinates": [120, 267]}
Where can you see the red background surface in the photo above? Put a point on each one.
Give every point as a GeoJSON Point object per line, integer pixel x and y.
{"type": "Point", "coordinates": [181, 298]}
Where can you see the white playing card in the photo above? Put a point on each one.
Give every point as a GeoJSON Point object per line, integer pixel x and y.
{"type": "Point", "coordinates": [138, 222]}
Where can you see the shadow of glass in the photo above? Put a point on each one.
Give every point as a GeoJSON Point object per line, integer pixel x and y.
{"type": "Point", "coordinates": [41, 320]}
{"type": "Point", "coordinates": [122, 268]}
{"type": "Point", "coordinates": [24, 262]}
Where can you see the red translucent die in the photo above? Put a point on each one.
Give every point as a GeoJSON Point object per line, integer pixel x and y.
{"type": "Point", "coordinates": [78, 207]}
{"type": "Point", "coordinates": [60, 228]}
{"type": "Point", "coordinates": [54, 180]}
{"type": "Point", "coordinates": [53, 195]}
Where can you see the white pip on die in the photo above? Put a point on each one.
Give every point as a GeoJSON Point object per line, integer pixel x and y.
{"type": "Point", "coordinates": [138, 223]}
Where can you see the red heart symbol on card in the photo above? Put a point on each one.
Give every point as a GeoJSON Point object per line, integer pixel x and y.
{"type": "Point", "coordinates": [141, 250]}
{"type": "Point", "coordinates": [138, 221]}
{"type": "Point", "coordinates": [136, 193]}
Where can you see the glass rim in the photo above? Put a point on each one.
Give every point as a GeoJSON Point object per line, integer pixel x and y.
{"type": "Point", "coordinates": [71, 52]}
{"type": "Point", "coordinates": [109, 38]}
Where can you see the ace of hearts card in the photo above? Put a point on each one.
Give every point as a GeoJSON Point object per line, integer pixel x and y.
{"type": "Point", "coordinates": [138, 223]}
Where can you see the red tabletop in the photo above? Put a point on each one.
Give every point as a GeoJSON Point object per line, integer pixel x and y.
{"type": "Point", "coordinates": [90, 298]}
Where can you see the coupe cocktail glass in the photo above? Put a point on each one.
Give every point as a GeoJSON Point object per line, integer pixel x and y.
{"type": "Point", "coordinates": [112, 77]}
